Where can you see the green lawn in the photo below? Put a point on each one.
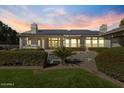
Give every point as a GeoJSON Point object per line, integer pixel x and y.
{"type": "Point", "coordinates": [52, 78]}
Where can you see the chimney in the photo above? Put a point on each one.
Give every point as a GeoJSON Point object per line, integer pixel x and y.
{"type": "Point", "coordinates": [34, 28]}
{"type": "Point", "coordinates": [103, 28]}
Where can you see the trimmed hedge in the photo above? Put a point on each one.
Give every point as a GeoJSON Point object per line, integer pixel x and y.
{"type": "Point", "coordinates": [22, 58]}
{"type": "Point", "coordinates": [111, 62]}
{"type": "Point", "coordinates": [98, 49]}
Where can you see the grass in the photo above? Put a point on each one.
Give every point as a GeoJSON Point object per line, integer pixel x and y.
{"type": "Point", "coordinates": [60, 78]}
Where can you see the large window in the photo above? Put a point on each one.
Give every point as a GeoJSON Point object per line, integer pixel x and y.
{"type": "Point", "coordinates": [101, 42]}
{"type": "Point", "coordinates": [94, 42]}
{"type": "Point", "coordinates": [78, 43]}
{"type": "Point", "coordinates": [38, 42]}
{"type": "Point", "coordinates": [29, 42]}
{"type": "Point", "coordinates": [54, 42]}
{"type": "Point", "coordinates": [67, 43]}
{"type": "Point", "coordinates": [72, 42]}
{"type": "Point", "coordinates": [88, 43]}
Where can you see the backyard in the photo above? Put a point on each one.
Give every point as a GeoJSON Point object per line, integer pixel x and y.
{"type": "Point", "coordinates": [25, 68]}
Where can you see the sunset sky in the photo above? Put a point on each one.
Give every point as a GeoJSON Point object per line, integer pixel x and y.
{"type": "Point", "coordinates": [61, 17]}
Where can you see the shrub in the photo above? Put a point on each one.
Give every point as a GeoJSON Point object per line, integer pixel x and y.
{"type": "Point", "coordinates": [40, 49]}
{"type": "Point", "coordinates": [22, 57]}
{"type": "Point", "coordinates": [63, 53]}
{"type": "Point", "coordinates": [111, 62]}
{"type": "Point", "coordinates": [1, 48]}
{"type": "Point", "coordinates": [98, 49]}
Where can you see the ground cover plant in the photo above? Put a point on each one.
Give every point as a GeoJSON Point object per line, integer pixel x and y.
{"type": "Point", "coordinates": [22, 58]}
{"type": "Point", "coordinates": [111, 62]}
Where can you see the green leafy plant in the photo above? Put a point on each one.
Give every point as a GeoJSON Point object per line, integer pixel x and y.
{"type": "Point", "coordinates": [63, 53]}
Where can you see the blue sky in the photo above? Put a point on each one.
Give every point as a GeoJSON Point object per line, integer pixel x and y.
{"type": "Point", "coordinates": [61, 17]}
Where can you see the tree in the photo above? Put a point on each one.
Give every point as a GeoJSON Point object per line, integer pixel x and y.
{"type": "Point", "coordinates": [62, 53]}
{"type": "Point", "coordinates": [8, 35]}
{"type": "Point", "coordinates": [121, 22]}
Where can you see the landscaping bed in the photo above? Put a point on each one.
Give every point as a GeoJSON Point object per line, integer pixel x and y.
{"type": "Point", "coordinates": [22, 58]}
{"type": "Point", "coordinates": [57, 78]}
{"type": "Point", "coordinates": [111, 62]}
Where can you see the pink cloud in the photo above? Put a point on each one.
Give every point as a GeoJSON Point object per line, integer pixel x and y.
{"type": "Point", "coordinates": [108, 19]}
{"type": "Point", "coordinates": [68, 21]}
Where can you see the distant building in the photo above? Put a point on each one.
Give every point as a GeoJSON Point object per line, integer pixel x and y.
{"type": "Point", "coordinates": [49, 39]}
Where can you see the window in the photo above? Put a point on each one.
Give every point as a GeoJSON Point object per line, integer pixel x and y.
{"type": "Point", "coordinates": [101, 42]}
{"type": "Point", "coordinates": [67, 42]}
{"type": "Point", "coordinates": [29, 42]}
{"type": "Point", "coordinates": [94, 38]}
{"type": "Point", "coordinates": [54, 42]}
{"type": "Point", "coordinates": [88, 37]}
{"type": "Point", "coordinates": [94, 43]}
{"type": "Point", "coordinates": [38, 42]}
{"type": "Point", "coordinates": [42, 43]}
{"type": "Point", "coordinates": [73, 43]}
{"type": "Point", "coordinates": [101, 38]}
{"type": "Point", "coordinates": [78, 43]}
{"type": "Point", "coordinates": [88, 43]}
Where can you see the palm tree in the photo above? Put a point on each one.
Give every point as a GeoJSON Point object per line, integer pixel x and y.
{"type": "Point", "coordinates": [63, 53]}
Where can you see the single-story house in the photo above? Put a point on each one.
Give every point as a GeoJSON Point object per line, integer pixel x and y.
{"type": "Point", "coordinates": [51, 38]}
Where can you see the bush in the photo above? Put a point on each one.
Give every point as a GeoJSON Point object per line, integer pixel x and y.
{"type": "Point", "coordinates": [111, 62]}
{"type": "Point", "coordinates": [98, 49]}
{"type": "Point", "coordinates": [1, 48]}
{"type": "Point", "coordinates": [22, 57]}
{"type": "Point", "coordinates": [40, 49]}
